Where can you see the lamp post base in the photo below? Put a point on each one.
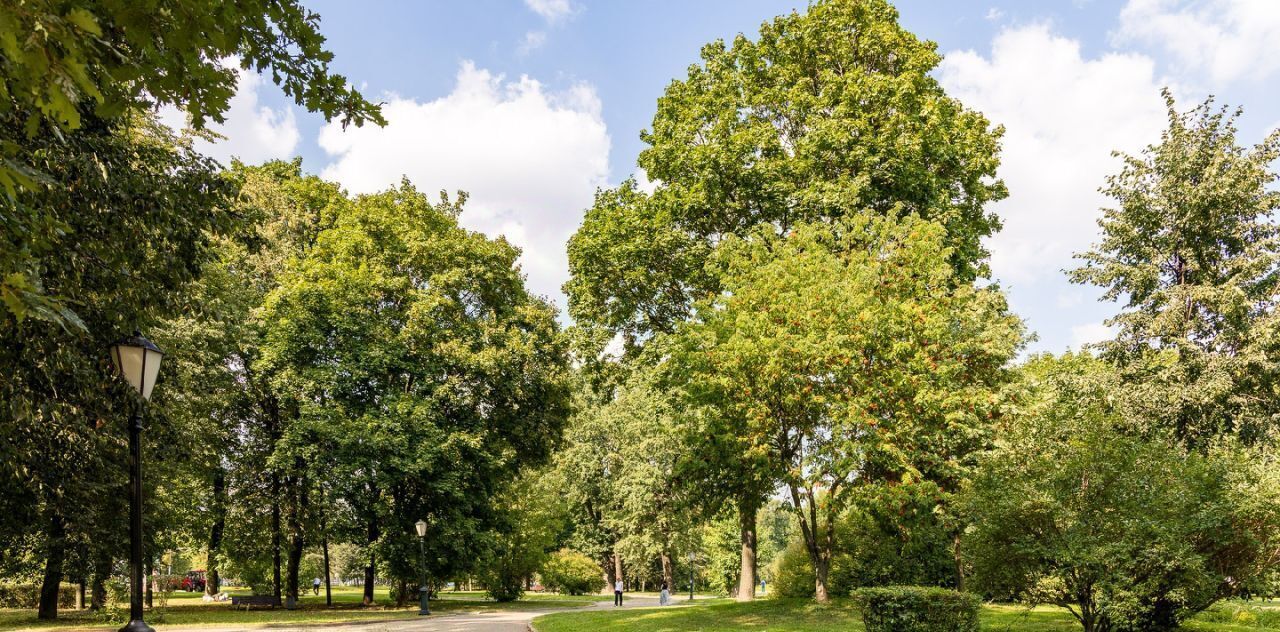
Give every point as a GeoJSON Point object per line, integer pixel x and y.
{"type": "Point", "coordinates": [423, 608]}
{"type": "Point", "coordinates": [137, 625]}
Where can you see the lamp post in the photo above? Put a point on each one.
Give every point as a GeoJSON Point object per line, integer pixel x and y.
{"type": "Point", "coordinates": [692, 572]}
{"type": "Point", "coordinates": [423, 609]}
{"type": "Point", "coordinates": [137, 360]}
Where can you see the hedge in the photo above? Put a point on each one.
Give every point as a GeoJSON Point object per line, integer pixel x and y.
{"type": "Point", "coordinates": [917, 609]}
{"type": "Point", "coordinates": [28, 595]}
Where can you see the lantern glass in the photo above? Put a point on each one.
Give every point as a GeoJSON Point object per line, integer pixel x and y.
{"type": "Point", "coordinates": [421, 526]}
{"type": "Point", "coordinates": [137, 360]}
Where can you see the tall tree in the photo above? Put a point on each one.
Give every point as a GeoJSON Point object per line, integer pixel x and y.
{"type": "Point", "coordinates": [840, 357]}
{"type": "Point", "coordinates": [410, 347]}
{"type": "Point", "coordinates": [1193, 249]}
{"type": "Point", "coordinates": [142, 211]}
{"type": "Point", "coordinates": [826, 113]}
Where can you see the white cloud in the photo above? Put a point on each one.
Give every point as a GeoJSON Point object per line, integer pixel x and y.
{"type": "Point", "coordinates": [1064, 115]}
{"type": "Point", "coordinates": [994, 14]}
{"type": "Point", "coordinates": [551, 10]}
{"type": "Point", "coordinates": [1225, 40]}
{"type": "Point", "coordinates": [253, 132]}
{"type": "Point", "coordinates": [1089, 333]}
{"type": "Point", "coordinates": [533, 40]}
{"type": "Point", "coordinates": [531, 158]}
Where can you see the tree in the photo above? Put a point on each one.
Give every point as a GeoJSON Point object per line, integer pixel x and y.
{"type": "Point", "coordinates": [414, 368]}
{"type": "Point", "coordinates": [1193, 248]}
{"type": "Point", "coordinates": [841, 357]}
{"type": "Point", "coordinates": [1128, 532]}
{"type": "Point", "coordinates": [649, 515]}
{"type": "Point", "coordinates": [570, 573]}
{"type": "Point", "coordinates": [828, 113]}
{"type": "Point", "coordinates": [63, 64]}
{"type": "Point", "coordinates": [534, 518]}
{"type": "Point", "coordinates": [141, 212]}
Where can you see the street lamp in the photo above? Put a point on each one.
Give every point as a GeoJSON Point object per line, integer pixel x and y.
{"type": "Point", "coordinates": [421, 526]}
{"type": "Point", "coordinates": [137, 360]}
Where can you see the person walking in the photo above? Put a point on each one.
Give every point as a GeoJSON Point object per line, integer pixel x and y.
{"type": "Point", "coordinates": [664, 597]}
{"type": "Point", "coordinates": [315, 586]}
{"type": "Point", "coordinates": [617, 593]}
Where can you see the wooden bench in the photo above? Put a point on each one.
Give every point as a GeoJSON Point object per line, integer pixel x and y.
{"type": "Point", "coordinates": [249, 601]}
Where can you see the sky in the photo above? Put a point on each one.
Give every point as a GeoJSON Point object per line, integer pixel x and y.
{"type": "Point", "coordinates": [531, 105]}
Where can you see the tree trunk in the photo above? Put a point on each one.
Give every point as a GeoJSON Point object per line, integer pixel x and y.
{"type": "Point", "coordinates": [98, 592]}
{"type": "Point", "coordinates": [328, 592]}
{"type": "Point", "coordinates": [212, 582]}
{"type": "Point", "coordinates": [821, 570]}
{"type": "Point", "coordinates": [275, 535]}
{"type": "Point", "coordinates": [617, 568]}
{"type": "Point", "coordinates": [607, 572]}
{"type": "Point", "coordinates": [297, 505]}
{"type": "Point", "coordinates": [80, 595]}
{"type": "Point", "coordinates": [57, 535]}
{"type": "Point", "coordinates": [747, 525]}
{"type": "Point", "coordinates": [371, 537]}
{"type": "Point", "coordinates": [149, 579]}
{"type": "Point", "coordinates": [668, 573]}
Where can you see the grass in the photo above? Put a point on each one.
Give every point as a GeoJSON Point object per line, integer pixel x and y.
{"type": "Point", "coordinates": [784, 615]}
{"type": "Point", "coordinates": [189, 610]}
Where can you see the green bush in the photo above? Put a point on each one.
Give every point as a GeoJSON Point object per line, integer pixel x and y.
{"type": "Point", "coordinates": [28, 595]}
{"type": "Point", "coordinates": [572, 573]}
{"type": "Point", "coordinates": [917, 609]}
{"type": "Point", "coordinates": [793, 574]}
{"type": "Point", "coordinates": [1242, 614]}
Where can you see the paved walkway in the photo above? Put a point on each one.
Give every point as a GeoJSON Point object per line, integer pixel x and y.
{"type": "Point", "coordinates": [493, 621]}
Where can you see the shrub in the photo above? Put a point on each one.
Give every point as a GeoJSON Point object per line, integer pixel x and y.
{"type": "Point", "coordinates": [1082, 508]}
{"type": "Point", "coordinates": [917, 609]}
{"type": "Point", "coordinates": [793, 574]}
{"type": "Point", "coordinates": [572, 573]}
{"type": "Point", "coordinates": [28, 595]}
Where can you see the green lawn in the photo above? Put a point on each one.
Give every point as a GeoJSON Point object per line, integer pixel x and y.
{"type": "Point", "coordinates": [781, 615]}
{"type": "Point", "coordinates": [187, 609]}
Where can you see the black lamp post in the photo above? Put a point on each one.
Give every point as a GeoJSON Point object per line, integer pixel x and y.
{"type": "Point", "coordinates": [137, 360]}
{"type": "Point", "coordinates": [423, 608]}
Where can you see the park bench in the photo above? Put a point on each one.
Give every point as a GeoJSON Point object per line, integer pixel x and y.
{"type": "Point", "coordinates": [249, 601]}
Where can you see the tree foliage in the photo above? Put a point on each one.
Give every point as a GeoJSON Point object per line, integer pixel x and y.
{"type": "Point", "coordinates": [1126, 531]}
{"type": "Point", "coordinates": [827, 113]}
{"type": "Point", "coordinates": [64, 66]}
{"type": "Point", "coordinates": [1193, 250]}
{"type": "Point", "coordinates": [839, 357]}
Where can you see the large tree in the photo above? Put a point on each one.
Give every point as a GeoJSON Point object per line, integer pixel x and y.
{"type": "Point", "coordinates": [826, 113]}
{"type": "Point", "coordinates": [141, 212]}
{"type": "Point", "coordinates": [409, 348]}
{"type": "Point", "coordinates": [1193, 250]}
{"type": "Point", "coordinates": [839, 357]}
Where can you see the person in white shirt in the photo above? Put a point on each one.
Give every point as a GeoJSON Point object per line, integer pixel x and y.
{"type": "Point", "coordinates": [617, 593]}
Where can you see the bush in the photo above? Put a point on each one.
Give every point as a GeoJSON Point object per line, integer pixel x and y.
{"type": "Point", "coordinates": [793, 574]}
{"type": "Point", "coordinates": [572, 573]}
{"type": "Point", "coordinates": [28, 595]}
{"type": "Point", "coordinates": [917, 609]}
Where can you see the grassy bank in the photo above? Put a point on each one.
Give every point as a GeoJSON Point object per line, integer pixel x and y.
{"type": "Point", "coordinates": [188, 609]}
{"type": "Point", "coordinates": [782, 615]}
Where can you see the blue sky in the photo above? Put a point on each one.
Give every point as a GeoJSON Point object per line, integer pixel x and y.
{"type": "Point", "coordinates": [529, 105]}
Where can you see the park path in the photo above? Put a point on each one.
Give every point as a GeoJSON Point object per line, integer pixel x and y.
{"type": "Point", "coordinates": [492, 621]}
